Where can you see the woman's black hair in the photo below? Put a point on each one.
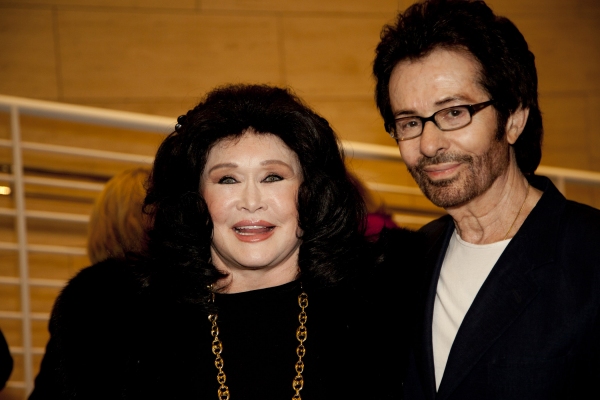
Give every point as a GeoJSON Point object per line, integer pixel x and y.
{"type": "Point", "coordinates": [508, 72]}
{"type": "Point", "coordinates": [330, 208]}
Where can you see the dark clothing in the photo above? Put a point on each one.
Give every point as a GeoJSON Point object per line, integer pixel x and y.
{"type": "Point", "coordinates": [6, 361]}
{"type": "Point", "coordinates": [114, 337]}
{"type": "Point", "coordinates": [533, 330]}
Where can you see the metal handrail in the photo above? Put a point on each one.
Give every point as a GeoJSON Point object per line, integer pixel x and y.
{"type": "Point", "coordinates": [80, 152]}
{"type": "Point", "coordinates": [53, 182]}
{"type": "Point", "coordinates": [21, 228]}
{"type": "Point", "coordinates": [45, 249]}
{"type": "Point", "coordinates": [87, 115]}
{"type": "Point", "coordinates": [19, 315]}
{"type": "Point", "coordinates": [54, 283]}
{"type": "Point", "coordinates": [47, 215]}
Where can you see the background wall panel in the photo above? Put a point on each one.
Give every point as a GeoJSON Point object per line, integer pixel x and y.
{"type": "Point", "coordinates": [145, 55]}
{"type": "Point", "coordinates": [565, 125]}
{"type": "Point", "coordinates": [566, 58]}
{"type": "Point", "coordinates": [27, 53]}
{"type": "Point", "coordinates": [592, 135]}
{"type": "Point", "coordinates": [328, 56]}
{"type": "Point", "coordinates": [142, 4]}
{"type": "Point", "coordinates": [345, 6]}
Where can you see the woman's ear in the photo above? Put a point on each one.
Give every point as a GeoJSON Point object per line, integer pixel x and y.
{"type": "Point", "coordinates": [515, 124]}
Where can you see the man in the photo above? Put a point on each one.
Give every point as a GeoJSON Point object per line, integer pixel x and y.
{"type": "Point", "coordinates": [512, 304]}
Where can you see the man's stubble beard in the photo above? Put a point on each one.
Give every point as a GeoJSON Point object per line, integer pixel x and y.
{"type": "Point", "coordinates": [482, 172]}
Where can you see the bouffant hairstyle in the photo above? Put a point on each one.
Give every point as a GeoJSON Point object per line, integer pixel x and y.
{"type": "Point", "coordinates": [507, 66]}
{"type": "Point", "coordinates": [330, 209]}
{"type": "Point", "coordinates": [118, 226]}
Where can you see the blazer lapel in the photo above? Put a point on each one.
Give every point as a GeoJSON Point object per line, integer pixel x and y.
{"type": "Point", "coordinates": [439, 234]}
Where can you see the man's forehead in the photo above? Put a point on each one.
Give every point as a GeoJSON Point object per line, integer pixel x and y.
{"type": "Point", "coordinates": [441, 60]}
{"type": "Point", "coordinates": [437, 78]}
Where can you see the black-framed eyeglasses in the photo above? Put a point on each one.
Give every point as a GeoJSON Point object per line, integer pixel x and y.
{"type": "Point", "coordinates": [446, 119]}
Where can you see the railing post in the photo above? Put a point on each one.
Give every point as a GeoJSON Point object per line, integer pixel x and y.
{"type": "Point", "coordinates": [21, 228]}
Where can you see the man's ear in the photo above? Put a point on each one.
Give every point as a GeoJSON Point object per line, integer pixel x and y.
{"type": "Point", "coordinates": [515, 124]}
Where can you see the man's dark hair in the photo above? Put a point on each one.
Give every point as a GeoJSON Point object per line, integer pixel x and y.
{"type": "Point", "coordinates": [508, 72]}
{"type": "Point", "coordinates": [331, 210]}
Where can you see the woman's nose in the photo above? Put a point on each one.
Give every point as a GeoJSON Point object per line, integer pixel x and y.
{"type": "Point", "coordinates": [251, 198]}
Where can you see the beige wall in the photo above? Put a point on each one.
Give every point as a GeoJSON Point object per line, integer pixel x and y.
{"type": "Point", "coordinates": [160, 56]}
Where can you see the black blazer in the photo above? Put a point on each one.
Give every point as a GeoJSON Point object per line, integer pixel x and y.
{"type": "Point", "coordinates": [533, 330]}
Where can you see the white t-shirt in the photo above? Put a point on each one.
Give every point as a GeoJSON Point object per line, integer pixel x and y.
{"type": "Point", "coordinates": [465, 268]}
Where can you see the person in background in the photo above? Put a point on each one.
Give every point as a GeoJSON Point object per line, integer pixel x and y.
{"type": "Point", "coordinates": [258, 281]}
{"type": "Point", "coordinates": [513, 305]}
{"type": "Point", "coordinates": [118, 225]}
{"type": "Point", "coordinates": [6, 361]}
{"type": "Point", "coordinates": [378, 217]}
{"type": "Point", "coordinates": [118, 229]}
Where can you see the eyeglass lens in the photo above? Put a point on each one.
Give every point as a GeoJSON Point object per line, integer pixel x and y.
{"type": "Point", "coordinates": [446, 119]}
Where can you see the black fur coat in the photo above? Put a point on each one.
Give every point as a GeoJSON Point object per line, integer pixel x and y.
{"type": "Point", "coordinates": [119, 332]}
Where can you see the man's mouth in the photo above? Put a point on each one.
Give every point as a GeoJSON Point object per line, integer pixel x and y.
{"type": "Point", "coordinates": [441, 165]}
{"type": "Point", "coordinates": [440, 170]}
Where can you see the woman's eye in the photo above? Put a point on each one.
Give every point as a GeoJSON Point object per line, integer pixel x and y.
{"type": "Point", "coordinates": [227, 180]}
{"type": "Point", "coordinates": [273, 178]}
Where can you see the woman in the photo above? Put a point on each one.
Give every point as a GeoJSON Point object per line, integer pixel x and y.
{"type": "Point", "coordinates": [118, 224]}
{"type": "Point", "coordinates": [259, 283]}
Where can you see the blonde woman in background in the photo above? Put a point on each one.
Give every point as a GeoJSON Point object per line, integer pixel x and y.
{"type": "Point", "coordinates": [118, 226]}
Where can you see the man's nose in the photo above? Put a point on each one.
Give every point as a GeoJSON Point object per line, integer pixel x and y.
{"type": "Point", "coordinates": [432, 140]}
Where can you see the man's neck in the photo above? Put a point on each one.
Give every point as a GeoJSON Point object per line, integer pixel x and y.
{"type": "Point", "coordinates": [499, 212]}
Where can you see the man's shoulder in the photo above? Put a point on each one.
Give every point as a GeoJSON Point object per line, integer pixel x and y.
{"type": "Point", "coordinates": [554, 200]}
{"type": "Point", "coordinates": [582, 211]}
{"type": "Point", "coordinates": [583, 219]}
{"type": "Point", "coordinates": [559, 227]}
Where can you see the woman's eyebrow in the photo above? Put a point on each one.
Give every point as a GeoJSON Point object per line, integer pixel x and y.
{"type": "Point", "coordinates": [222, 165]}
{"type": "Point", "coordinates": [269, 162]}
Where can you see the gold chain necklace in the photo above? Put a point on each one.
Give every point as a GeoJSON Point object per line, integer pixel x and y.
{"type": "Point", "coordinates": [301, 333]}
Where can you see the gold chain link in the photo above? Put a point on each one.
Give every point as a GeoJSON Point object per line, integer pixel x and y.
{"type": "Point", "coordinates": [301, 335]}
{"type": "Point", "coordinates": [217, 348]}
